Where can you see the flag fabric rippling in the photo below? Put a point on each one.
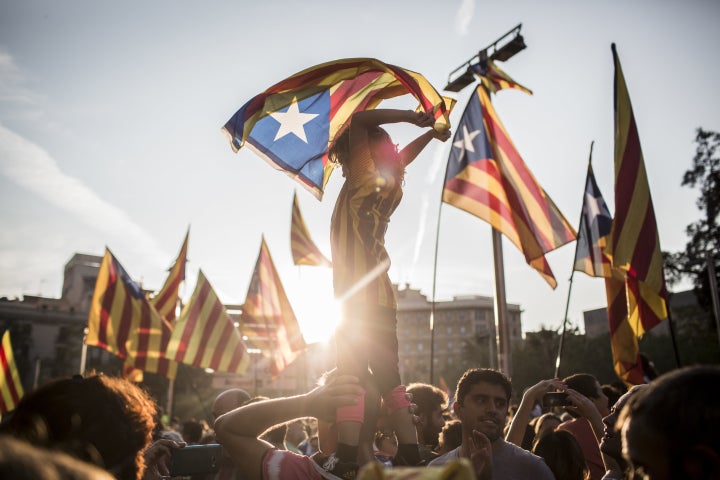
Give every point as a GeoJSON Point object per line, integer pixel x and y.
{"type": "Point", "coordinates": [267, 318]}
{"type": "Point", "coordinates": [487, 178]}
{"type": "Point", "coordinates": [11, 389]}
{"type": "Point", "coordinates": [494, 78]}
{"type": "Point", "coordinates": [205, 334]}
{"type": "Point", "coordinates": [634, 243]}
{"type": "Point", "coordinates": [292, 124]}
{"type": "Point", "coordinates": [166, 300]}
{"type": "Point", "coordinates": [304, 250]}
{"type": "Point", "coordinates": [124, 322]}
{"type": "Point", "coordinates": [595, 225]}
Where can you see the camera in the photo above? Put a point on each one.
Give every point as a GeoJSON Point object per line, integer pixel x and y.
{"type": "Point", "coordinates": [194, 459]}
{"type": "Point", "coordinates": [556, 399]}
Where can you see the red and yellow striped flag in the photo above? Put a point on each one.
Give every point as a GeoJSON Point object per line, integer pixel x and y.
{"type": "Point", "coordinates": [634, 244]}
{"type": "Point", "coordinates": [487, 178]}
{"type": "Point", "coordinates": [166, 299]}
{"type": "Point", "coordinates": [304, 250]}
{"type": "Point", "coordinates": [268, 319]}
{"type": "Point", "coordinates": [123, 322]}
{"type": "Point", "coordinates": [11, 390]}
{"type": "Point", "coordinates": [205, 335]}
{"type": "Point", "coordinates": [623, 342]}
{"type": "Point", "coordinates": [494, 78]}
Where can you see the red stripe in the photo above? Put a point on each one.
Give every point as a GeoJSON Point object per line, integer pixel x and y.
{"type": "Point", "coordinates": [123, 327]}
{"type": "Point", "coordinates": [480, 195]}
{"type": "Point", "coordinates": [625, 178]}
{"type": "Point", "coordinates": [10, 381]}
{"type": "Point", "coordinates": [349, 88]}
{"type": "Point", "coordinates": [209, 324]}
{"type": "Point", "coordinates": [106, 305]}
{"type": "Point", "coordinates": [192, 319]}
{"type": "Point", "coordinates": [226, 335]}
{"type": "Point", "coordinates": [143, 334]}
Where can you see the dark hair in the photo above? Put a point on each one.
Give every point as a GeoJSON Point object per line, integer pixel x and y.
{"type": "Point", "coordinates": [339, 150]}
{"type": "Point", "coordinates": [680, 407]}
{"type": "Point", "coordinates": [428, 398]}
{"type": "Point", "coordinates": [451, 435]}
{"type": "Point", "coordinates": [583, 383]}
{"type": "Point", "coordinates": [474, 376]}
{"type": "Point", "coordinates": [562, 453]}
{"type": "Point", "coordinates": [192, 431]}
{"type": "Point", "coordinates": [612, 394]}
{"type": "Point", "coordinates": [102, 420]}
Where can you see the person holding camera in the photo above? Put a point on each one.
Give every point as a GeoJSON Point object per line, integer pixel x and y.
{"type": "Point", "coordinates": [533, 396]}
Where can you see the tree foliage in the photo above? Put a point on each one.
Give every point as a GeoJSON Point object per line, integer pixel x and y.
{"type": "Point", "coordinates": [703, 235]}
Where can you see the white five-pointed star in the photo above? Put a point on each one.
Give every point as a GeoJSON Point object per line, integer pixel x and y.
{"type": "Point", "coordinates": [465, 143]}
{"type": "Point", "coordinates": [591, 205]}
{"type": "Point", "coordinates": [292, 121]}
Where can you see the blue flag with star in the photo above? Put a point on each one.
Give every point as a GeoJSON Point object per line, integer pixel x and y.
{"type": "Point", "coordinates": [595, 226]}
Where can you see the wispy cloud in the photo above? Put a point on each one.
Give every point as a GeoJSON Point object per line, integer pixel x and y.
{"type": "Point", "coordinates": [464, 16]}
{"type": "Point", "coordinates": [32, 168]}
{"type": "Point", "coordinates": [13, 83]}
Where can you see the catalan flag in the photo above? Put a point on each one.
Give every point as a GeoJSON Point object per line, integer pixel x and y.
{"type": "Point", "coordinates": [623, 341]}
{"type": "Point", "coordinates": [11, 390]}
{"type": "Point", "coordinates": [292, 124]}
{"type": "Point", "coordinates": [304, 250]}
{"type": "Point", "coordinates": [205, 335]}
{"type": "Point", "coordinates": [166, 300]}
{"type": "Point", "coordinates": [595, 225]}
{"type": "Point", "coordinates": [267, 318]}
{"type": "Point", "coordinates": [494, 78]}
{"type": "Point", "coordinates": [123, 321]}
{"type": "Point", "coordinates": [487, 178]}
{"type": "Point", "coordinates": [634, 244]}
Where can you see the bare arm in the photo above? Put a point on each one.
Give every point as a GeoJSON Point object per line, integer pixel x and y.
{"type": "Point", "coordinates": [584, 407]}
{"type": "Point", "coordinates": [413, 149]}
{"type": "Point", "coordinates": [238, 430]}
{"type": "Point", "coordinates": [531, 396]}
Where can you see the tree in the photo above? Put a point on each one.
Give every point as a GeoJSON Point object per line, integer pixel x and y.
{"type": "Point", "coordinates": [704, 235]}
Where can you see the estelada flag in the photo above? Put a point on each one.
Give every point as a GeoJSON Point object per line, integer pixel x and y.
{"type": "Point", "coordinates": [293, 123]}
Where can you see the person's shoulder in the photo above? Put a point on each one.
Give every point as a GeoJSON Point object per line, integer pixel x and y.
{"type": "Point", "coordinates": [445, 458]}
{"type": "Point", "coordinates": [521, 459]}
{"type": "Point", "coordinates": [286, 465]}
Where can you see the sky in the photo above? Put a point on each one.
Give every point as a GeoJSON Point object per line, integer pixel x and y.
{"type": "Point", "coordinates": [110, 118]}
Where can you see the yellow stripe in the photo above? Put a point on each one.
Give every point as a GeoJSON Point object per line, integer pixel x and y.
{"type": "Point", "coordinates": [14, 377]}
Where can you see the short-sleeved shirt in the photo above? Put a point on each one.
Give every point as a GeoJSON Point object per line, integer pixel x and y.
{"type": "Point", "coordinates": [371, 193]}
{"type": "Point", "coordinates": [510, 462]}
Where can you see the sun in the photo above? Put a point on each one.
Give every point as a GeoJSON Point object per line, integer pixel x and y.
{"type": "Point", "coordinates": [314, 304]}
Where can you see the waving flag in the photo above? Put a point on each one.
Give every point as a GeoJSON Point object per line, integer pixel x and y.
{"type": "Point", "coordinates": [205, 335]}
{"type": "Point", "coordinates": [634, 244]}
{"type": "Point", "coordinates": [304, 250]}
{"type": "Point", "coordinates": [292, 124]}
{"type": "Point", "coordinates": [11, 390]}
{"type": "Point", "coordinates": [595, 225]}
{"type": "Point", "coordinates": [487, 178]}
{"type": "Point", "coordinates": [166, 299]}
{"type": "Point", "coordinates": [123, 321]}
{"type": "Point", "coordinates": [267, 318]}
{"type": "Point", "coordinates": [493, 78]}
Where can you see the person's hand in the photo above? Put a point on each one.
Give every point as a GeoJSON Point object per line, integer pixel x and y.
{"type": "Point", "coordinates": [537, 391]}
{"type": "Point", "coordinates": [480, 453]}
{"type": "Point", "coordinates": [157, 458]}
{"type": "Point", "coordinates": [582, 405]}
{"type": "Point", "coordinates": [340, 391]}
{"type": "Point", "coordinates": [421, 119]}
{"type": "Point", "coordinates": [442, 135]}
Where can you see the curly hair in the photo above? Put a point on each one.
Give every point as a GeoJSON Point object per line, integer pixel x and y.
{"type": "Point", "coordinates": [102, 420]}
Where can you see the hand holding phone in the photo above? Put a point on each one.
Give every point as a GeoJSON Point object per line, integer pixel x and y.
{"type": "Point", "coordinates": [555, 399]}
{"type": "Point", "coordinates": [195, 459]}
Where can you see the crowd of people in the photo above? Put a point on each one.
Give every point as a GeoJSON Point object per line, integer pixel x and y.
{"type": "Point", "coordinates": [105, 427]}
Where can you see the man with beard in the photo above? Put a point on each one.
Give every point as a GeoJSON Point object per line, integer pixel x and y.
{"type": "Point", "coordinates": [431, 402]}
{"type": "Point", "coordinates": [482, 398]}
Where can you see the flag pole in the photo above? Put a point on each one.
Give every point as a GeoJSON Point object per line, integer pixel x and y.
{"type": "Point", "coordinates": [432, 300]}
{"type": "Point", "coordinates": [83, 353]}
{"type": "Point", "coordinates": [572, 276]}
{"type": "Point", "coordinates": [502, 340]}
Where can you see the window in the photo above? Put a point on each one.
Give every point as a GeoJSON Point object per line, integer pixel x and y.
{"type": "Point", "coordinates": [420, 346]}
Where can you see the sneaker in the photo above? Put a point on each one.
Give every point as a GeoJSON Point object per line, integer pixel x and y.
{"type": "Point", "coordinates": [345, 470]}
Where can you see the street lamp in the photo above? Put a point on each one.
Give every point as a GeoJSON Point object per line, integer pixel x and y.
{"type": "Point", "coordinates": [501, 49]}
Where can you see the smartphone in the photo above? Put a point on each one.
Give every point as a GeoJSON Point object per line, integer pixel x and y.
{"type": "Point", "coordinates": [194, 459]}
{"type": "Point", "coordinates": [555, 399]}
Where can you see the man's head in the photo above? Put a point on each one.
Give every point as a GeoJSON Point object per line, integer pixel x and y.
{"type": "Point", "coordinates": [670, 429]}
{"type": "Point", "coordinates": [430, 401]}
{"type": "Point", "coordinates": [610, 443]}
{"type": "Point", "coordinates": [102, 420]}
{"type": "Point", "coordinates": [229, 400]}
{"type": "Point", "coordinates": [482, 398]}
{"type": "Point", "coordinates": [587, 385]}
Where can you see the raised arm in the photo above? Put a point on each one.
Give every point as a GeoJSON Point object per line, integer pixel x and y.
{"type": "Point", "coordinates": [238, 430]}
{"type": "Point", "coordinates": [531, 396]}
